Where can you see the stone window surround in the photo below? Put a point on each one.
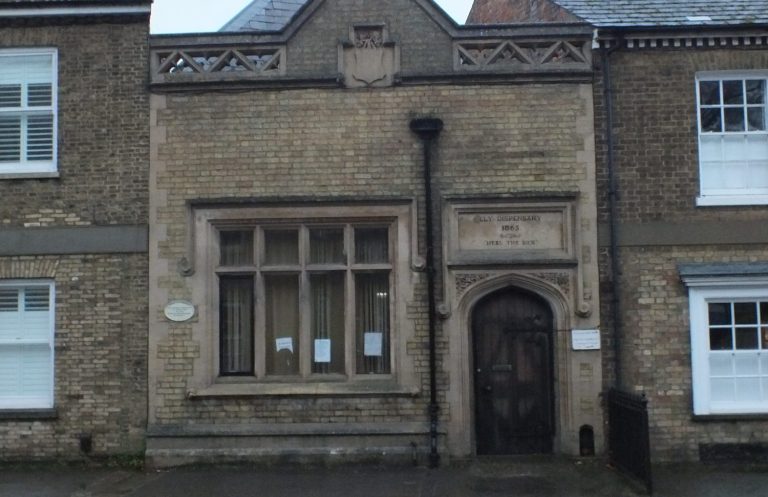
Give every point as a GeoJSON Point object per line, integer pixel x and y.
{"type": "Point", "coordinates": [722, 283]}
{"type": "Point", "coordinates": [724, 198]}
{"type": "Point", "coordinates": [38, 169]}
{"type": "Point", "coordinates": [208, 383]}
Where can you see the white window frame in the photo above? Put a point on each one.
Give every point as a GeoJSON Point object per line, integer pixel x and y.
{"type": "Point", "coordinates": [27, 167]}
{"type": "Point", "coordinates": [701, 292]}
{"type": "Point", "coordinates": [744, 196]}
{"type": "Point", "coordinates": [22, 403]}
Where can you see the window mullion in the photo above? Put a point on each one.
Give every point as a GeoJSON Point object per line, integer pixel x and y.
{"type": "Point", "coordinates": [744, 106]}
{"type": "Point", "coordinates": [23, 145]}
{"type": "Point", "coordinates": [349, 317]}
{"type": "Point", "coordinates": [259, 354]}
{"type": "Point", "coordinates": [305, 345]}
{"type": "Point", "coordinates": [260, 338]}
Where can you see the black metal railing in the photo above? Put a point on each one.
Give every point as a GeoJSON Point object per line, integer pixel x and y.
{"type": "Point", "coordinates": [629, 447]}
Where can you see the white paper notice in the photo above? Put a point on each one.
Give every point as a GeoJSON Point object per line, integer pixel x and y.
{"type": "Point", "coordinates": [373, 344]}
{"type": "Point", "coordinates": [585, 339]}
{"type": "Point", "coordinates": [284, 344]}
{"type": "Point", "coordinates": [322, 350]}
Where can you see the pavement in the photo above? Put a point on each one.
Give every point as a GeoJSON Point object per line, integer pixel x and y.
{"type": "Point", "coordinates": [491, 477]}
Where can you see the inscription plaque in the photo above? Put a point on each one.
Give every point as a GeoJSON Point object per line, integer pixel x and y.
{"type": "Point", "coordinates": [179, 311]}
{"type": "Point", "coordinates": [511, 231]}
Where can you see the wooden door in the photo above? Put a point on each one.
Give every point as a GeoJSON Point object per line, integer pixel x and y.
{"type": "Point", "coordinates": [514, 408]}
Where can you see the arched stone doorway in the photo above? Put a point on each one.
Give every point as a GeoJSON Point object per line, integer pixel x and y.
{"type": "Point", "coordinates": [513, 349]}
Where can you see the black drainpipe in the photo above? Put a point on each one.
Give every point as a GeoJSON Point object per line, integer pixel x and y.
{"type": "Point", "coordinates": [613, 192]}
{"type": "Point", "coordinates": [427, 129]}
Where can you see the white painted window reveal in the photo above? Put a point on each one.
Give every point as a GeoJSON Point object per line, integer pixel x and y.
{"type": "Point", "coordinates": [26, 344]}
{"type": "Point", "coordinates": [729, 338]}
{"type": "Point", "coordinates": [28, 121]}
{"type": "Point", "coordinates": [733, 137]}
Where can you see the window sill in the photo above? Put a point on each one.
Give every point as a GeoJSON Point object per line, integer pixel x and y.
{"type": "Point", "coordinates": [28, 414]}
{"type": "Point", "coordinates": [49, 175]}
{"type": "Point", "coordinates": [728, 200]}
{"type": "Point", "coordinates": [717, 418]}
{"type": "Point", "coordinates": [352, 389]}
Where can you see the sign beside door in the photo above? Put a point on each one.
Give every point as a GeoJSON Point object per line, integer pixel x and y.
{"type": "Point", "coordinates": [585, 339]}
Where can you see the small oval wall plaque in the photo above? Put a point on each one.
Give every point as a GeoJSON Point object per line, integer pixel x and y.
{"type": "Point", "coordinates": [179, 310]}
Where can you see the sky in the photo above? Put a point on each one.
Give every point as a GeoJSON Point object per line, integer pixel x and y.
{"type": "Point", "coordinates": [200, 16]}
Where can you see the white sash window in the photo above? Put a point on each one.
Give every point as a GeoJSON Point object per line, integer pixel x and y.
{"type": "Point", "coordinates": [729, 342]}
{"type": "Point", "coordinates": [26, 345]}
{"type": "Point", "coordinates": [28, 111]}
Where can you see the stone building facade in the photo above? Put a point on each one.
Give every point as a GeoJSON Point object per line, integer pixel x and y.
{"type": "Point", "coordinates": [290, 257]}
{"type": "Point", "coordinates": [367, 232]}
{"type": "Point", "coordinates": [689, 158]}
{"type": "Point", "coordinates": [74, 162]}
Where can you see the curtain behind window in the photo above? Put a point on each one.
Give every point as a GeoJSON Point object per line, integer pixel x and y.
{"type": "Point", "coordinates": [236, 323]}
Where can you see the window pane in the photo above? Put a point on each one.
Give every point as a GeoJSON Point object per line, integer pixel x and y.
{"type": "Point", "coordinates": [758, 173]}
{"type": "Point", "coordinates": [755, 91]}
{"type": "Point", "coordinates": [736, 175]}
{"type": "Point", "coordinates": [25, 374]}
{"type": "Point", "coordinates": [748, 389]}
{"type": "Point", "coordinates": [40, 137]}
{"type": "Point", "coordinates": [327, 291]}
{"type": "Point", "coordinates": [733, 92]}
{"type": "Point", "coordinates": [757, 147]}
{"type": "Point", "coordinates": [10, 95]}
{"type": "Point", "coordinates": [734, 147]}
{"type": "Point", "coordinates": [711, 175]}
{"type": "Point", "coordinates": [763, 312]}
{"type": "Point", "coordinates": [9, 300]}
{"type": "Point", "coordinates": [35, 370]}
{"type": "Point", "coordinates": [372, 322]}
{"type": "Point", "coordinates": [764, 382]}
{"type": "Point", "coordinates": [719, 313]}
{"type": "Point", "coordinates": [747, 363]}
{"type": "Point", "coordinates": [236, 325]}
{"type": "Point", "coordinates": [756, 118]}
{"type": "Point", "coordinates": [371, 245]}
{"type": "Point", "coordinates": [10, 138]}
{"type": "Point", "coordinates": [709, 92]}
{"type": "Point", "coordinates": [722, 389]}
{"type": "Point", "coordinates": [236, 248]}
{"type": "Point", "coordinates": [36, 299]}
{"type": "Point", "coordinates": [720, 339]}
{"type": "Point", "coordinates": [745, 312]}
{"type": "Point", "coordinates": [710, 120]}
{"type": "Point", "coordinates": [734, 119]}
{"type": "Point", "coordinates": [720, 364]}
{"type": "Point", "coordinates": [765, 340]}
{"type": "Point", "coordinates": [40, 95]}
{"type": "Point", "coordinates": [282, 322]}
{"type": "Point", "coordinates": [746, 338]}
{"type": "Point", "coordinates": [326, 246]}
{"type": "Point", "coordinates": [281, 247]}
